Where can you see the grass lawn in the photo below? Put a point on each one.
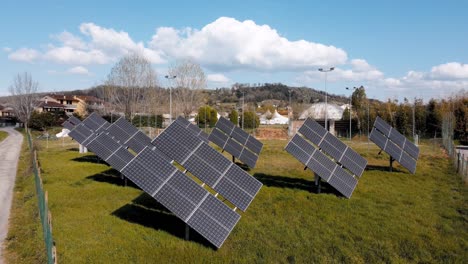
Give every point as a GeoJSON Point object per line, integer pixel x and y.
{"type": "Point", "coordinates": [391, 217]}
{"type": "Point", "coordinates": [3, 135]}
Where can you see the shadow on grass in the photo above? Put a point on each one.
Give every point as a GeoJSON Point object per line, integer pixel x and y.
{"type": "Point", "coordinates": [111, 176]}
{"type": "Point", "coordinates": [295, 183]}
{"type": "Point", "coordinates": [382, 168]}
{"type": "Point", "coordinates": [90, 158]}
{"type": "Point", "coordinates": [243, 166]}
{"type": "Point", "coordinates": [144, 210]}
{"type": "Point", "coordinates": [73, 149]}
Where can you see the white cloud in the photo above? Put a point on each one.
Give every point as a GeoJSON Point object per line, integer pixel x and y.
{"type": "Point", "coordinates": [24, 54]}
{"type": "Point", "coordinates": [69, 55]}
{"type": "Point", "coordinates": [70, 40]}
{"type": "Point", "coordinates": [7, 49]}
{"type": "Point", "coordinates": [228, 44]}
{"type": "Point", "coordinates": [451, 70]}
{"type": "Point", "coordinates": [359, 71]}
{"type": "Point", "coordinates": [78, 70]}
{"type": "Point", "coordinates": [117, 43]}
{"type": "Point", "coordinates": [217, 78]}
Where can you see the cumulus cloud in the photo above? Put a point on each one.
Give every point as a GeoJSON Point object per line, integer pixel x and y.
{"type": "Point", "coordinates": [217, 78]}
{"type": "Point", "coordinates": [228, 44]}
{"type": "Point", "coordinates": [80, 70]}
{"type": "Point", "coordinates": [7, 49]}
{"type": "Point", "coordinates": [69, 55]}
{"type": "Point", "coordinates": [70, 40]}
{"type": "Point", "coordinates": [357, 70]}
{"type": "Point", "coordinates": [117, 42]}
{"type": "Point", "coordinates": [24, 54]}
{"type": "Point", "coordinates": [451, 70]}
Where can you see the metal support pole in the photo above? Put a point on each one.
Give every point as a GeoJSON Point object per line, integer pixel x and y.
{"type": "Point", "coordinates": [187, 232]}
{"type": "Point", "coordinates": [318, 183]}
{"type": "Point", "coordinates": [391, 164]}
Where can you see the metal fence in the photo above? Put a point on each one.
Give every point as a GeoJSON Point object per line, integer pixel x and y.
{"type": "Point", "coordinates": [458, 156]}
{"type": "Point", "coordinates": [42, 197]}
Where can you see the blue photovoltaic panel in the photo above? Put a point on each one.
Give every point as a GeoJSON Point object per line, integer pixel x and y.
{"type": "Point", "coordinates": [119, 159]}
{"type": "Point", "coordinates": [236, 142]}
{"type": "Point", "coordinates": [68, 125]}
{"type": "Point", "coordinates": [80, 133]}
{"type": "Point", "coordinates": [395, 144]}
{"type": "Point", "coordinates": [218, 137]}
{"type": "Point", "coordinates": [214, 220]}
{"type": "Point", "coordinates": [193, 128]}
{"type": "Point", "coordinates": [182, 196]}
{"type": "Point", "coordinates": [125, 126]}
{"type": "Point", "coordinates": [75, 121]}
{"type": "Point", "coordinates": [334, 147]}
{"type": "Point", "coordinates": [202, 161]}
{"type": "Point", "coordinates": [326, 168]}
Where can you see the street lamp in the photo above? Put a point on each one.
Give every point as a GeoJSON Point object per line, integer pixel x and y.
{"type": "Point", "coordinates": [350, 102]}
{"type": "Point", "coordinates": [172, 77]}
{"type": "Point", "coordinates": [326, 97]}
{"type": "Point", "coordinates": [289, 114]}
{"type": "Point", "coordinates": [243, 98]}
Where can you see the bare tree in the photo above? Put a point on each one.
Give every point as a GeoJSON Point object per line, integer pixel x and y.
{"type": "Point", "coordinates": [24, 97]}
{"type": "Point", "coordinates": [129, 82]}
{"type": "Point", "coordinates": [189, 82]}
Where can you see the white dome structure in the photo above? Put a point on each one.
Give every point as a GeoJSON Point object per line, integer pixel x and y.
{"type": "Point", "coordinates": [317, 111]}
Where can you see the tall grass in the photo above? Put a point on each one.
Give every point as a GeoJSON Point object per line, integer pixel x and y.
{"type": "Point", "coordinates": [391, 217]}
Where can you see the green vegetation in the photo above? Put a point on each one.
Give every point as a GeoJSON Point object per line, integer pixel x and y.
{"type": "Point", "coordinates": [3, 135]}
{"type": "Point", "coordinates": [24, 243]}
{"type": "Point", "coordinates": [207, 116]}
{"type": "Point", "coordinates": [392, 217]}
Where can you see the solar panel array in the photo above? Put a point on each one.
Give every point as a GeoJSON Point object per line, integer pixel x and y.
{"type": "Point", "coordinates": [328, 157]}
{"type": "Point", "coordinates": [151, 170]}
{"type": "Point", "coordinates": [71, 122]}
{"type": "Point", "coordinates": [208, 165]}
{"type": "Point", "coordinates": [395, 144]}
{"type": "Point", "coordinates": [236, 141]}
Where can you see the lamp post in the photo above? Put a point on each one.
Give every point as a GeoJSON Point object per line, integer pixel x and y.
{"type": "Point", "coordinates": [243, 98]}
{"type": "Point", "coordinates": [171, 77]}
{"type": "Point", "coordinates": [326, 97]}
{"type": "Point", "coordinates": [289, 114]}
{"type": "Point", "coordinates": [350, 102]}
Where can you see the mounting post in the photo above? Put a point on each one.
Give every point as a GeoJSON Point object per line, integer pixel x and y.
{"type": "Point", "coordinates": [318, 183]}
{"type": "Point", "coordinates": [391, 164]}
{"type": "Point", "coordinates": [233, 159]}
{"type": "Point", "coordinates": [187, 232]}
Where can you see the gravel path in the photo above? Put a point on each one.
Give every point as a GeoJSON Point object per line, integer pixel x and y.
{"type": "Point", "coordinates": [10, 149]}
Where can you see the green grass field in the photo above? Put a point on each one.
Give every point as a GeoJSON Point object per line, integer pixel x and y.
{"type": "Point", "coordinates": [391, 217]}
{"type": "Point", "coordinates": [3, 135]}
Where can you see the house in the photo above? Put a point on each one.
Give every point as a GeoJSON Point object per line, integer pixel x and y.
{"type": "Point", "coordinates": [6, 111]}
{"type": "Point", "coordinates": [79, 104]}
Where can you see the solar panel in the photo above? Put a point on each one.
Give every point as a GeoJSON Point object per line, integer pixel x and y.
{"type": "Point", "coordinates": [395, 144]}
{"type": "Point", "coordinates": [128, 135]}
{"type": "Point", "coordinates": [305, 146]}
{"type": "Point", "coordinates": [190, 202]}
{"type": "Point", "coordinates": [80, 133]}
{"type": "Point", "coordinates": [68, 125]}
{"type": "Point", "coordinates": [334, 147]}
{"type": "Point", "coordinates": [75, 121]}
{"type": "Point", "coordinates": [191, 127]}
{"type": "Point", "coordinates": [205, 163]}
{"type": "Point", "coordinates": [236, 141]}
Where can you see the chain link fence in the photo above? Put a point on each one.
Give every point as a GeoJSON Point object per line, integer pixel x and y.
{"type": "Point", "coordinates": [46, 217]}
{"type": "Point", "coordinates": [458, 155]}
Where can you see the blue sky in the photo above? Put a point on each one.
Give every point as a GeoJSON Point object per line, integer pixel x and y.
{"type": "Point", "coordinates": [394, 48]}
